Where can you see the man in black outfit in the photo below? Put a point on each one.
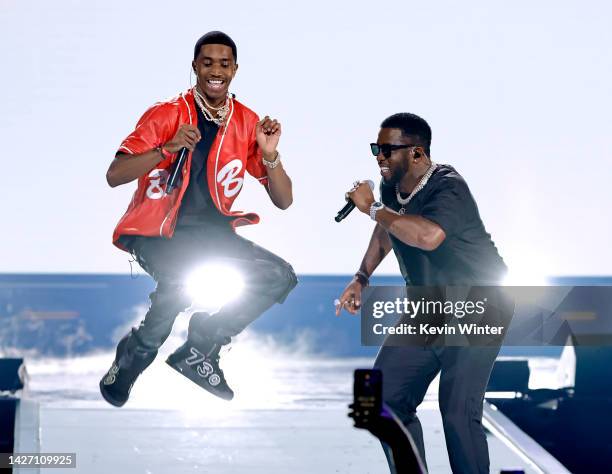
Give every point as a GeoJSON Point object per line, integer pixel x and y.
{"type": "Point", "coordinates": [430, 220]}
{"type": "Point", "coordinates": [227, 140]}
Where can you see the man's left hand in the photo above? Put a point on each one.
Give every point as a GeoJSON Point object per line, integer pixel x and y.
{"type": "Point", "coordinates": [268, 132]}
{"type": "Point", "coordinates": [362, 196]}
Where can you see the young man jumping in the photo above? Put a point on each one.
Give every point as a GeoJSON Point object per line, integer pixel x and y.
{"type": "Point", "coordinates": [171, 234]}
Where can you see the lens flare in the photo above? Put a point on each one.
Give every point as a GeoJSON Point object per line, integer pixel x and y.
{"type": "Point", "coordinates": [214, 285]}
{"type": "Point", "coordinates": [526, 266]}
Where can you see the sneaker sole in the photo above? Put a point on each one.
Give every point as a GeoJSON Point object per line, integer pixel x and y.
{"type": "Point", "coordinates": [186, 371]}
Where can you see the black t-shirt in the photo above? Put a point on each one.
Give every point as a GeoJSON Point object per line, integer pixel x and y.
{"type": "Point", "coordinates": [197, 207]}
{"type": "Point", "coordinates": [467, 256]}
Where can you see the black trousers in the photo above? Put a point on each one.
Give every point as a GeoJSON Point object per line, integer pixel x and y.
{"type": "Point", "coordinates": [464, 374]}
{"type": "Point", "coordinates": [268, 280]}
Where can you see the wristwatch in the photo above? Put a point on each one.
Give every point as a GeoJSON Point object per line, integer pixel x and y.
{"type": "Point", "coordinates": [374, 208]}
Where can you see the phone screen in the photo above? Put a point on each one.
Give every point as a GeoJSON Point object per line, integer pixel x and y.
{"type": "Point", "coordinates": [367, 393]}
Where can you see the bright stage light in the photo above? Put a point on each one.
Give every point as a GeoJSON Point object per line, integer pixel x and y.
{"type": "Point", "coordinates": [526, 267]}
{"type": "Point", "coordinates": [524, 278]}
{"type": "Point", "coordinates": [503, 395]}
{"type": "Point", "coordinates": [214, 285]}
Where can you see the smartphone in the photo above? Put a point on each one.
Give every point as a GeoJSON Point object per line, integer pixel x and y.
{"type": "Point", "coordinates": [367, 393]}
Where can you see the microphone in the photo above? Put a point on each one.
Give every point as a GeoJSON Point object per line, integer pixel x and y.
{"type": "Point", "coordinates": [350, 205]}
{"type": "Point", "coordinates": [177, 170]}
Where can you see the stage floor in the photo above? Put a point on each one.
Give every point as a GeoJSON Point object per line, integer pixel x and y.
{"type": "Point", "coordinates": [289, 415]}
{"type": "Point", "coordinates": [318, 440]}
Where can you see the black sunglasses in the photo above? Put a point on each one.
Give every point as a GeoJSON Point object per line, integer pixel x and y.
{"type": "Point", "coordinates": [386, 149]}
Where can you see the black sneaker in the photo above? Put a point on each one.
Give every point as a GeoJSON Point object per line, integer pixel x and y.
{"type": "Point", "coordinates": [200, 364]}
{"type": "Point", "coordinates": [129, 363]}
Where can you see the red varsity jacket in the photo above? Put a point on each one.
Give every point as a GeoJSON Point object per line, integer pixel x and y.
{"type": "Point", "coordinates": [151, 211]}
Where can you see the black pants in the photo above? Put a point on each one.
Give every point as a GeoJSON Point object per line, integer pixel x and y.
{"type": "Point", "coordinates": [464, 374]}
{"type": "Point", "coordinates": [268, 280]}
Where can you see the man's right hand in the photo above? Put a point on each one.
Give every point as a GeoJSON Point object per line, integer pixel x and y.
{"type": "Point", "coordinates": [186, 137]}
{"type": "Point", "coordinates": [350, 298]}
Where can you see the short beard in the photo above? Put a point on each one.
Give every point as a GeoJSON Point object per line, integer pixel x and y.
{"type": "Point", "coordinates": [396, 177]}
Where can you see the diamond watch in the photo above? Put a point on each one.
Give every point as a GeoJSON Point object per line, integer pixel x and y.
{"type": "Point", "coordinates": [374, 208]}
